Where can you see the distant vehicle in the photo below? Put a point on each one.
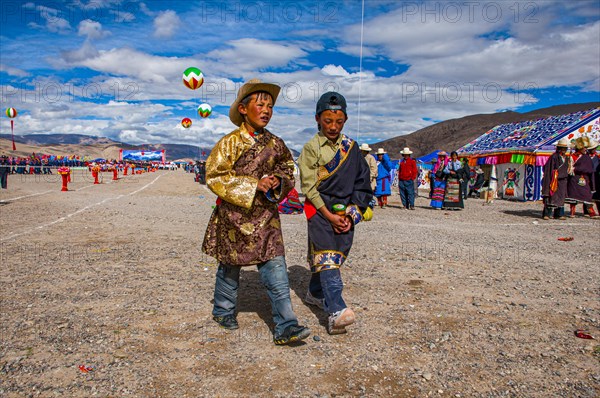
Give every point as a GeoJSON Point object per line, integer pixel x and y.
{"type": "Point", "coordinates": [167, 166]}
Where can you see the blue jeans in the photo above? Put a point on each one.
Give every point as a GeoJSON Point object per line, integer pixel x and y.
{"type": "Point", "coordinates": [273, 275]}
{"type": "Point", "coordinates": [407, 192]}
{"type": "Point", "coordinates": [328, 284]}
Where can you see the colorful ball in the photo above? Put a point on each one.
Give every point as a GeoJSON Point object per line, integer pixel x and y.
{"type": "Point", "coordinates": [186, 122]}
{"type": "Point", "coordinates": [193, 78]}
{"type": "Point", "coordinates": [11, 112]}
{"type": "Point", "coordinates": [204, 110]}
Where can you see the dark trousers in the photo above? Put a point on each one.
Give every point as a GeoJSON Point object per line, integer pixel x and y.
{"type": "Point", "coordinates": [407, 193]}
{"type": "Point", "coordinates": [3, 177]}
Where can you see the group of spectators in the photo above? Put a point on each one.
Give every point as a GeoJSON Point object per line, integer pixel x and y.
{"type": "Point", "coordinates": [199, 170]}
{"type": "Point", "coordinates": [40, 165]}
{"type": "Point", "coordinates": [449, 179]}
{"type": "Point", "coordinates": [573, 179]}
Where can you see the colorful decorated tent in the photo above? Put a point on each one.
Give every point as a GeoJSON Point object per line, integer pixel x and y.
{"type": "Point", "coordinates": [518, 151]}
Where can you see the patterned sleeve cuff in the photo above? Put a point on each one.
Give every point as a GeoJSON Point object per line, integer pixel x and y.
{"type": "Point", "coordinates": [272, 196]}
{"type": "Point", "coordinates": [355, 214]}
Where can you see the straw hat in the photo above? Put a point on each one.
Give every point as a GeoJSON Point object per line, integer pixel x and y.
{"type": "Point", "coordinates": [582, 142]}
{"type": "Point", "coordinates": [563, 142]}
{"type": "Point", "coordinates": [406, 151]}
{"type": "Point", "coordinates": [442, 153]}
{"type": "Point", "coordinates": [252, 86]}
{"type": "Point", "coordinates": [364, 147]}
{"type": "Point", "coordinates": [593, 144]}
{"type": "Point", "coordinates": [381, 151]}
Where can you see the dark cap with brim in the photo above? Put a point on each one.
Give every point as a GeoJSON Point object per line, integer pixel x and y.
{"type": "Point", "coordinates": [331, 101]}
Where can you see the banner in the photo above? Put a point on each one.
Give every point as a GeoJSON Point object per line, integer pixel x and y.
{"type": "Point", "coordinates": [143, 155]}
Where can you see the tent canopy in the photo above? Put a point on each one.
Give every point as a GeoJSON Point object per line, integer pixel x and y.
{"type": "Point", "coordinates": [429, 157]}
{"type": "Point", "coordinates": [532, 136]}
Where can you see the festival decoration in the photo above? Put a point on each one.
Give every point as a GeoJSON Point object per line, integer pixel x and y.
{"type": "Point", "coordinates": [12, 113]}
{"type": "Point", "coordinates": [186, 122]}
{"type": "Point", "coordinates": [193, 78]}
{"type": "Point", "coordinates": [95, 173]}
{"type": "Point", "coordinates": [64, 173]}
{"type": "Point", "coordinates": [204, 110]}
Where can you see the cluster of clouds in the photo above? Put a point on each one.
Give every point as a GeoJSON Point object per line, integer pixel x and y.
{"type": "Point", "coordinates": [422, 62]}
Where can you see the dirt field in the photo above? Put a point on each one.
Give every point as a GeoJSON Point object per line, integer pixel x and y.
{"type": "Point", "coordinates": [478, 303]}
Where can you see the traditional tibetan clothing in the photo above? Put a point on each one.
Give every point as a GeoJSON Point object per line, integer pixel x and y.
{"type": "Point", "coordinates": [453, 190]}
{"type": "Point", "coordinates": [438, 186]}
{"type": "Point", "coordinates": [244, 228]}
{"type": "Point", "coordinates": [596, 177]}
{"type": "Point", "coordinates": [384, 176]}
{"type": "Point", "coordinates": [580, 183]}
{"type": "Point", "coordinates": [343, 178]}
{"type": "Point", "coordinates": [557, 167]}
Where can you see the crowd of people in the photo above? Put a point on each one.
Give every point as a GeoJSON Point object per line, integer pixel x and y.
{"type": "Point", "coordinates": [572, 180]}
{"type": "Point", "coordinates": [37, 164]}
{"type": "Point", "coordinates": [449, 179]}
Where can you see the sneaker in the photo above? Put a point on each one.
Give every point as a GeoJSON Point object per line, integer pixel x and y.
{"type": "Point", "coordinates": [412, 207]}
{"type": "Point", "coordinates": [312, 300]}
{"type": "Point", "coordinates": [227, 322]}
{"type": "Point", "coordinates": [338, 321]}
{"type": "Point", "coordinates": [546, 218]}
{"type": "Point", "coordinates": [292, 334]}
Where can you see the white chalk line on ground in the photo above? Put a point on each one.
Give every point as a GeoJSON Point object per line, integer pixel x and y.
{"type": "Point", "coordinates": [25, 196]}
{"type": "Point", "coordinates": [61, 219]}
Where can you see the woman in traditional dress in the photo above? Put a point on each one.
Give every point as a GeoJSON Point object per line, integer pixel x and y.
{"type": "Point", "coordinates": [454, 171]}
{"type": "Point", "coordinates": [438, 181]}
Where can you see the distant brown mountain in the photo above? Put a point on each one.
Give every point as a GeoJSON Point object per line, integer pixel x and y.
{"type": "Point", "coordinates": [452, 134]}
{"type": "Point", "coordinates": [92, 146]}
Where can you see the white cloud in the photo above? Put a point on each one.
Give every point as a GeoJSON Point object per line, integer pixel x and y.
{"type": "Point", "coordinates": [253, 54]}
{"type": "Point", "coordinates": [166, 24]}
{"type": "Point", "coordinates": [146, 11]}
{"type": "Point", "coordinates": [13, 71]}
{"type": "Point", "coordinates": [54, 23]}
{"type": "Point", "coordinates": [92, 29]}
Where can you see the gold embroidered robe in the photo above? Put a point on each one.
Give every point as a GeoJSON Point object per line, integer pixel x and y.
{"type": "Point", "coordinates": [245, 228]}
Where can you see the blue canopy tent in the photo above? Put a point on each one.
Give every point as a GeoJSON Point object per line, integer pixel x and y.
{"type": "Point", "coordinates": [517, 152]}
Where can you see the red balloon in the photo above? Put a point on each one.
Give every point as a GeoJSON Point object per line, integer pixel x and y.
{"type": "Point", "coordinates": [186, 122]}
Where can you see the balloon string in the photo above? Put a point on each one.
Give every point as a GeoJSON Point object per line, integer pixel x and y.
{"type": "Point", "coordinates": [362, 25]}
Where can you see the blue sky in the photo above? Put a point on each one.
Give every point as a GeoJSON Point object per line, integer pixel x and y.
{"type": "Point", "coordinates": [113, 68]}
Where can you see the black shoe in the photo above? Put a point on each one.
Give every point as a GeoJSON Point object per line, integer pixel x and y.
{"type": "Point", "coordinates": [226, 322]}
{"type": "Point", "coordinates": [292, 334]}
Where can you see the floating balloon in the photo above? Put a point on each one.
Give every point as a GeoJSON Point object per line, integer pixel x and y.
{"type": "Point", "coordinates": [193, 78]}
{"type": "Point", "coordinates": [186, 122]}
{"type": "Point", "coordinates": [204, 110]}
{"type": "Point", "coordinates": [12, 113]}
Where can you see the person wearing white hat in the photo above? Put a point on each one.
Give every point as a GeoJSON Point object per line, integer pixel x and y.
{"type": "Point", "coordinates": [365, 149]}
{"type": "Point", "coordinates": [383, 189]}
{"type": "Point", "coordinates": [251, 170]}
{"type": "Point", "coordinates": [554, 182]}
{"type": "Point", "coordinates": [407, 174]}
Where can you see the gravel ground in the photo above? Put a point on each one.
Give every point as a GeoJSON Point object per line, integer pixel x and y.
{"type": "Point", "coordinates": [476, 303]}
